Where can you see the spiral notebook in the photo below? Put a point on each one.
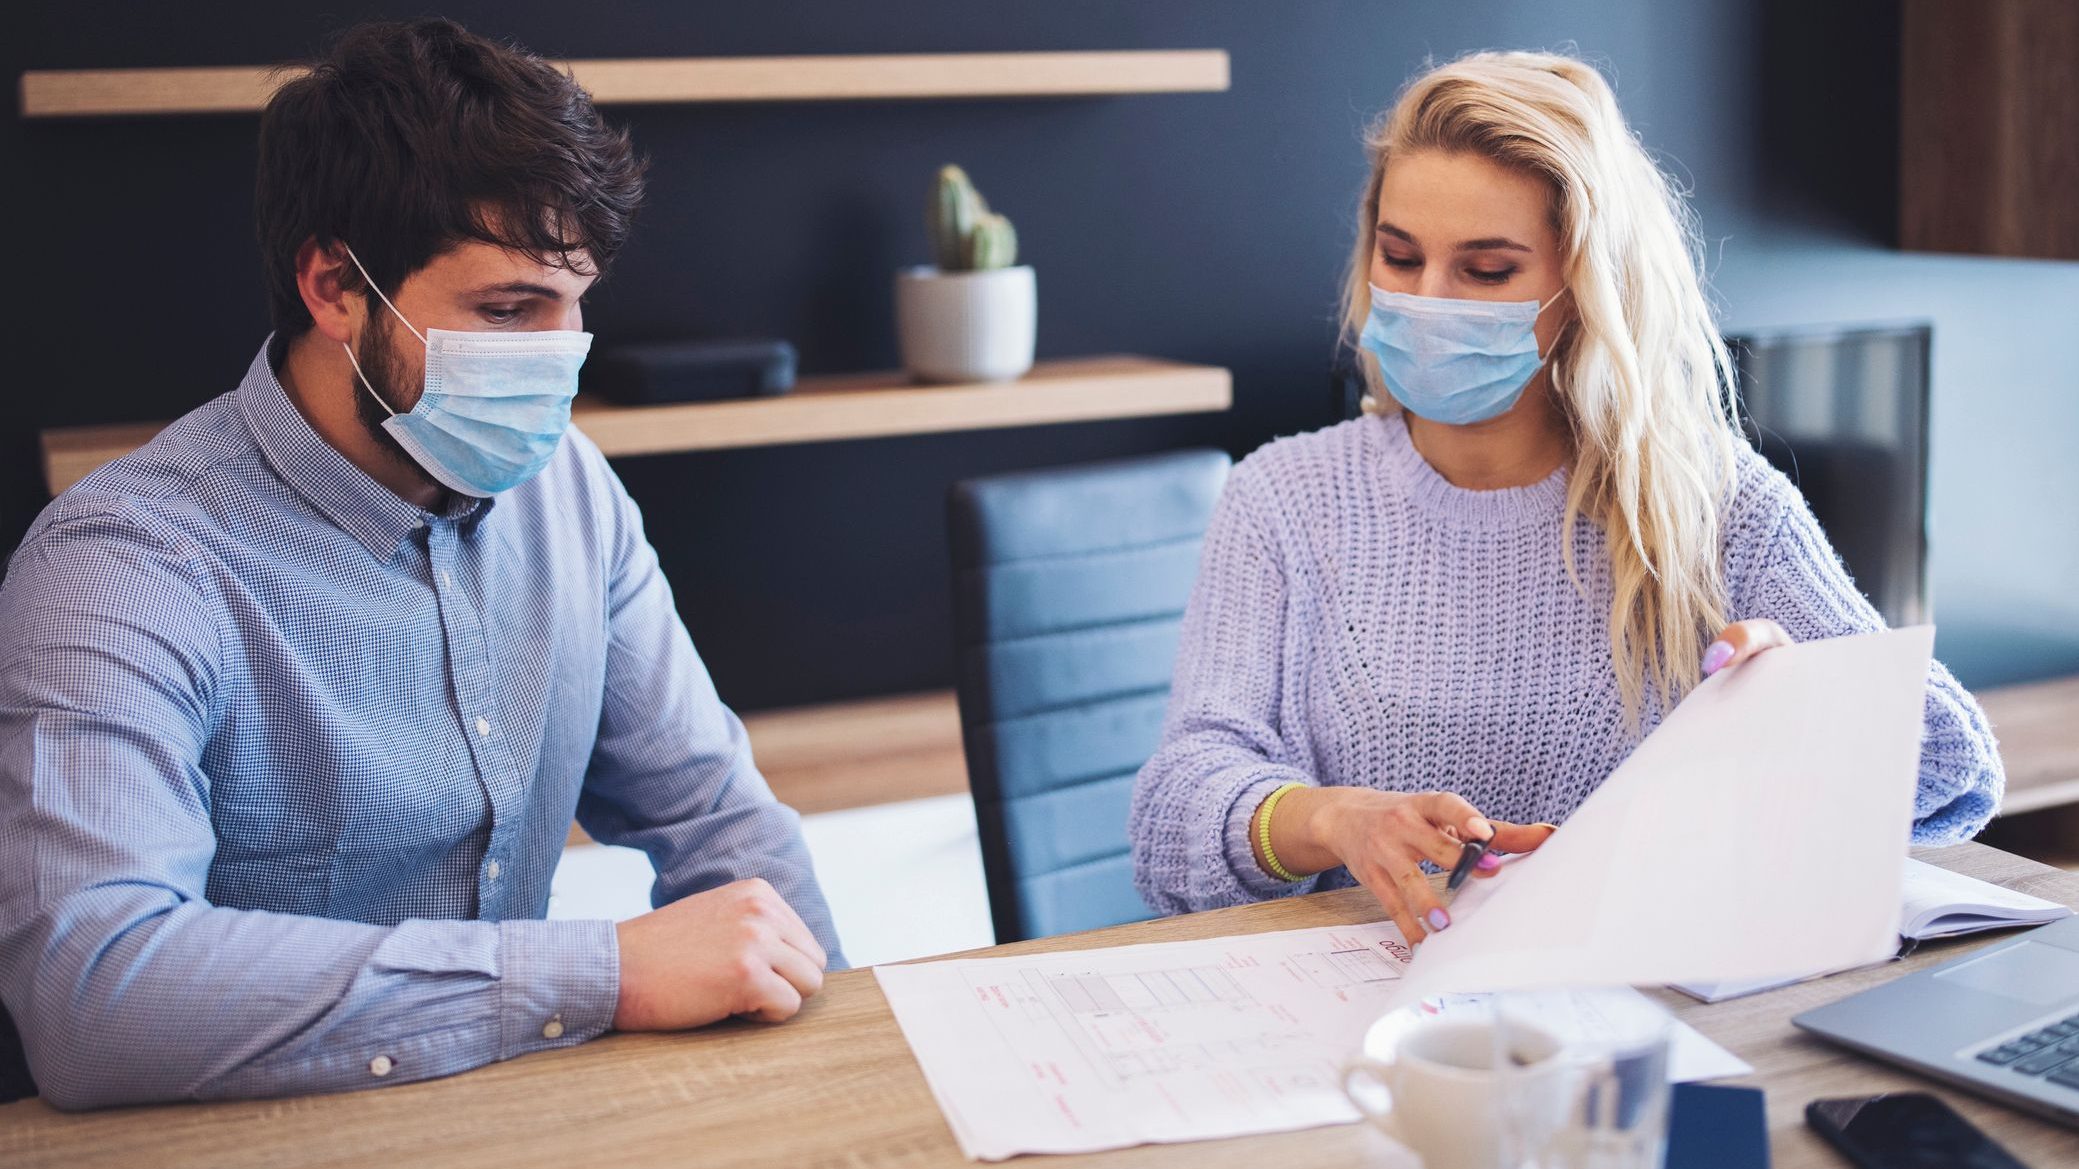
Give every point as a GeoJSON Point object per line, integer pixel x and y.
{"type": "Point", "coordinates": [1936, 904]}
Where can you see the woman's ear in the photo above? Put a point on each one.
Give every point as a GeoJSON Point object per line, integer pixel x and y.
{"type": "Point", "coordinates": [320, 278]}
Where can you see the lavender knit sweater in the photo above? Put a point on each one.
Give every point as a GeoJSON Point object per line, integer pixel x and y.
{"type": "Point", "coordinates": [1360, 620]}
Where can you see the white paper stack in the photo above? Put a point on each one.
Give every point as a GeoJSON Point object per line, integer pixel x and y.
{"type": "Point", "coordinates": [1756, 833]}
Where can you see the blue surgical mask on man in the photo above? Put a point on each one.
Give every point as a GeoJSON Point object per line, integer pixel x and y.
{"type": "Point", "coordinates": [1453, 361]}
{"type": "Point", "coordinates": [494, 407]}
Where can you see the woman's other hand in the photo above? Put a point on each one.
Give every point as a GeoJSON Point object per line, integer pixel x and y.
{"type": "Point", "coordinates": [1742, 640]}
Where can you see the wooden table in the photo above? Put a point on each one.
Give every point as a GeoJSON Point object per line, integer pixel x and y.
{"type": "Point", "coordinates": [838, 1087]}
{"type": "Point", "coordinates": [2038, 727]}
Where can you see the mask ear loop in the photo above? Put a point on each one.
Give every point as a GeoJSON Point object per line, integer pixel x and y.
{"type": "Point", "coordinates": [379, 292]}
{"type": "Point", "coordinates": [363, 379]}
{"type": "Point", "coordinates": [1545, 358]}
{"type": "Point", "coordinates": [355, 361]}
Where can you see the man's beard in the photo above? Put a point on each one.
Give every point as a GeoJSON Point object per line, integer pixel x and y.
{"type": "Point", "coordinates": [385, 370]}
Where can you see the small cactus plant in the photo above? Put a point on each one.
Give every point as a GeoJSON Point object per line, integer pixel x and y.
{"type": "Point", "coordinates": [970, 317]}
{"type": "Point", "coordinates": [965, 234]}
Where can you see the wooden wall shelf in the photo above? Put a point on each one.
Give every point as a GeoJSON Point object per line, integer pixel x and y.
{"type": "Point", "coordinates": [87, 93]}
{"type": "Point", "coordinates": [835, 409]}
{"type": "Point", "coordinates": [819, 409]}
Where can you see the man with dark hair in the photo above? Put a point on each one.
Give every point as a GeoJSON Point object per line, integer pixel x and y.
{"type": "Point", "coordinates": [298, 700]}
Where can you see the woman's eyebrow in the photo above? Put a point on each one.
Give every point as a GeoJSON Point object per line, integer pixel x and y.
{"type": "Point", "coordinates": [1492, 244]}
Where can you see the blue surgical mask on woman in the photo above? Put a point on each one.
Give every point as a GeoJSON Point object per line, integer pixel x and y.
{"type": "Point", "coordinates": [494, 407]}
{"type": "Point", "coordinates": [1453, 361]}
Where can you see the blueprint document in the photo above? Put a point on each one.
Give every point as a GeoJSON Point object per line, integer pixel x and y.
{"type": "Point", "coordinates": [1174, 1041]}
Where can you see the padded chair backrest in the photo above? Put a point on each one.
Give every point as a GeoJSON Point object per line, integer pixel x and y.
{"type": "Point", "coordinates": [14, 1066]}
{"type": "Point", "coordinates": [1068, 588]}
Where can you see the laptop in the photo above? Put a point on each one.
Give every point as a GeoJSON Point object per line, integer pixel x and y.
{"type": "Point", "coordinates": [2002, 1021]}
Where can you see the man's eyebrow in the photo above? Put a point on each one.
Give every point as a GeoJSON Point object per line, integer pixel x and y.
{"type": "Point", "coordinates": [516, 288]}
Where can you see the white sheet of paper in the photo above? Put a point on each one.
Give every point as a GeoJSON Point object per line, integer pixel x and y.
{"type": "Point", "coordinates": [1173, 1041]}
{"type": "Point", "coordinates": [1755, 833]}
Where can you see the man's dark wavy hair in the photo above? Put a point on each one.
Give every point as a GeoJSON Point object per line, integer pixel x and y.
{"type": "Point", "coordinates": [405, 140]}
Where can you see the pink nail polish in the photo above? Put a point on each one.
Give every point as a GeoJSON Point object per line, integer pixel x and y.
{"type": "Point", "coordinates": [1489, 862]}
{"type": "Point", "coordinates": [1438, 919]}
{"type": "Point", "coordinates": [1716, 657]}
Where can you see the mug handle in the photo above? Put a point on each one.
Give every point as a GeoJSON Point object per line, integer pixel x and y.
{"type": "Point", "coordinates": [1368, 1083]}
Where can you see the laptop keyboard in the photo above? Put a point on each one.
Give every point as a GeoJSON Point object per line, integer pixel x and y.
{"type": "Point", "coordinates": [2049, 1052]}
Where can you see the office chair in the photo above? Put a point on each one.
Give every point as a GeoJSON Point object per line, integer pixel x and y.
{"type": "Point", "coordinates": [1068, 588]}
{"type": "Point", "coordinates": [15, 1082]}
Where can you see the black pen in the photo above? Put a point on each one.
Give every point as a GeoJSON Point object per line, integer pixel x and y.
{"type": "Point", "coordinates": [1469, 854]}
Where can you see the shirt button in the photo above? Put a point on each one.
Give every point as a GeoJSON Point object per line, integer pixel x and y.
{"type": "Point", "coordinates": [554, 1029]}
{"type": "Point", "coordinates": [446, 579]}
{"type": "Point", "coordinates": [483, 727]}
{"type": "Point", "coordinates": [380, 1066]}
{"type": "Point", "coordinates": [491, 870]}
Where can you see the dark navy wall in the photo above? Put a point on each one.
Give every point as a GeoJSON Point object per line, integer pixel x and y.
{"type": "Point", "coordinates": [1206, 227]}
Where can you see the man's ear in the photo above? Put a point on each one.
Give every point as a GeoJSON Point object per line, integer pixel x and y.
{"type": "Point", "coordinates": [334, 312]}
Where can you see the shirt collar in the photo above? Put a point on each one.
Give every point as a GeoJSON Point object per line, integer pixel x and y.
{"type": "Point", "coordinates": [342, 492]}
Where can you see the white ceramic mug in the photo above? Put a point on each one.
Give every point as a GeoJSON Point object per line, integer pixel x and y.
{"type": "Point", "coordinates": [1433, 1085]}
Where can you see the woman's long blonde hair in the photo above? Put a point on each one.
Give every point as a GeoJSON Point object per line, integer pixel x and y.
{"type": "Point", "coordinates": [1639, 373]}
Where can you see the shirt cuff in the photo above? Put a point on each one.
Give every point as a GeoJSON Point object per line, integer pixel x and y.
{"type": "Point", "coordinates": [1241, 846]}
{"type": "Point", "coordinates": [560, 983]}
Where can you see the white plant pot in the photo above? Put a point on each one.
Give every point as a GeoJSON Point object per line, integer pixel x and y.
{"type": "Point", "coordinates": [966, 326]}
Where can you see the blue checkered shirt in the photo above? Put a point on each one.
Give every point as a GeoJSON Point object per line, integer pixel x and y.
{"type": "Point", "coordinates": [286, 764]}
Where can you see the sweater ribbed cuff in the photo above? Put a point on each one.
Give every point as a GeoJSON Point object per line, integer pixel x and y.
{"type": "Point", "coordinates": [1241, 846]}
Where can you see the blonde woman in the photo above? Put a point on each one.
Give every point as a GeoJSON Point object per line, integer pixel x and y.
{"type": "Point", "coordinates": [1455, 618]}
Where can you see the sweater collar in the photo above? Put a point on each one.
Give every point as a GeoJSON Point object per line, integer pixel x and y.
{"type": "Point", "coordinates": [1505, 507]}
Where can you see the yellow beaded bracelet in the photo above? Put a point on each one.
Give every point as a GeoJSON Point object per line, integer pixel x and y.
{"type": "Point", "coordinates": [1263, 835]}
